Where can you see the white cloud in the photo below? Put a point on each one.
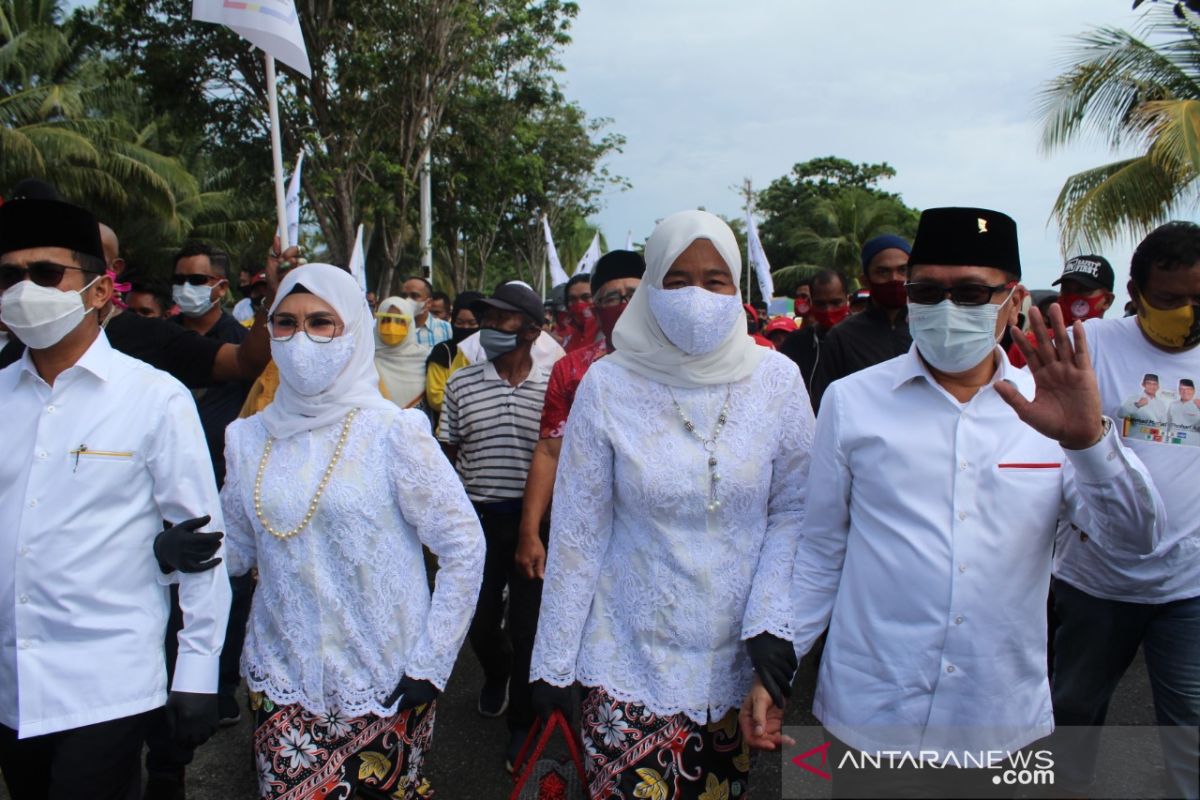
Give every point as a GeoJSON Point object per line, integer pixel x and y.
{"type": "Point", "coordinates": [708, 92]}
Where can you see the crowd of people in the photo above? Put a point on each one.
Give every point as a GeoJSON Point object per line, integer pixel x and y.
{"type": "Point", "coordinates": [640, 506]}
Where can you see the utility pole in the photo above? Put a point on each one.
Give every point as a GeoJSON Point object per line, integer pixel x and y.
{"type": "Point", "coordinates": [427, 197]}
{"type": "Point", "coordinates": [747, 193]}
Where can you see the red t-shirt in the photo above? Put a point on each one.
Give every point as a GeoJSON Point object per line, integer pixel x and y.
{"type": "Point", "coordinates": [560, 391]}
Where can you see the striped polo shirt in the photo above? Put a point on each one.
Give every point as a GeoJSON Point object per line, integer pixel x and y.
{"type": "Point", "coordinates": [495, 426]}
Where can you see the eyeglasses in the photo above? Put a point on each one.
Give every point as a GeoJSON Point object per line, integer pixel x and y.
{"type": "Point", "coordinates": [194, 280]}
{"type": "Point", "coordinates": [614, 298]}
{"type": "Point", "coordinates": [320, 328]}
{"type": "Point", "coordinates": [962, 294]}
{"type": "Point", "coordinates": [43, 273]}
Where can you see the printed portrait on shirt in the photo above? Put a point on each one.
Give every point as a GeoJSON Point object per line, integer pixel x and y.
{"type": "Point", "coordinates": [1163, 409]}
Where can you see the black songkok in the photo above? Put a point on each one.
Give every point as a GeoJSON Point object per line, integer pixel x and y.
{"type": "Point", "coordinates": [975, 237]}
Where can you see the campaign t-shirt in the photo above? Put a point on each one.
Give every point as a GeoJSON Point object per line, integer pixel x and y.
{"type": "Point", "coordinates": [1150, 394]}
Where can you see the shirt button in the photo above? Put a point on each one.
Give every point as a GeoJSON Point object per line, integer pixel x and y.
{"type": "Point", "coordinates": [962, 465]}
{"type": "Point", "coordinates": [950, 668]}
{"type": "Point", "coordinates": [33, 503]}
{"type": "Point", "coordinates": [958, 620]}
{"type": "Point", "coordinates": [962, 567]}
{"type": "Point", "coordinates": [1111, 456]}
{"type": "Point", "coordinates": [24, 599]}
{"type": "Point", "coordinates": [24, 551]}
{"type": "Point", "coordinates": [50, 409]}
{"type": "Point", "coordinates": [43, 455]}
{"type": "Point", "coordinates": [25, 644]}
{"type": "Point", "coordinates": [962, 515]}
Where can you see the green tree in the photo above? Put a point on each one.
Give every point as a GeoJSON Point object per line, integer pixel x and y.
{"type": "Point", "coordinates": [819, 215]}
{"type": "Point", "coordinates": [1130, 89]}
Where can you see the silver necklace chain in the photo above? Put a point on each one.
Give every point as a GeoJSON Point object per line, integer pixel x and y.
{"type": "Point", "coordinates": [709, 445]}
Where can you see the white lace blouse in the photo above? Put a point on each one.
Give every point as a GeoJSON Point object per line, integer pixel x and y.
{"type": "Point", "coordinates": [649, 595]}
{"type": "Point", "coordinates": [343, 609]}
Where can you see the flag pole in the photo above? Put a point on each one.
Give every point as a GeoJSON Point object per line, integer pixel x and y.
{"type": "Point", "coordinates": [277, 155]}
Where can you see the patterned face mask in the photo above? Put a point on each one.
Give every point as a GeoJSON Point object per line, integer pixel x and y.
{"type": "Point", "coordinates": [694, 319]}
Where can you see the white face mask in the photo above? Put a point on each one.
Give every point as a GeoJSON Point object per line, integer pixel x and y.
{"type": "Point", "coordinates": [954, 338]}
{"type": "Point", "coordinates": [695, 319]}
{"type": "Point", "coordinates": [41, 316]}
{"type": "Point", "coordinates": [408, 307]}
{"type": "Point", "coordinates": [193, 301]}
{"type": "Point", "coordinates": [309, 367]}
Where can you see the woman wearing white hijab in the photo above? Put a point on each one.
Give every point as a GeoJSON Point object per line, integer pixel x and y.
{"type": "Point", "coordinates": [399, 357]}
{"type": "Point", "coordinates": [677, 507]}
{"type": "Point", "coordinates": [330, 493]}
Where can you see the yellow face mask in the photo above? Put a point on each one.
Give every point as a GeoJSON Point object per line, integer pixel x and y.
{"type": "Point", "coordinates": [393, 328]}
{"type": "Point", "coordinates": [1171, 327]}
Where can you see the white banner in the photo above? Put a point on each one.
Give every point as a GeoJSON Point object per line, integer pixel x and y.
{"type": "Point", "coordinates": [270, 25]}
{"type": "Point", "coordinates": [293, 203]}
{"type": "Point", "coordinates": [757, 258]}
{"type": "Point", "coordinates": [590, 257]}
{"type": "Point", "coordinates": [557, 273]}
{"type": "Point", "coordinates": [629, 240]}
{"type": "Point", "coordinates": [358, 261]}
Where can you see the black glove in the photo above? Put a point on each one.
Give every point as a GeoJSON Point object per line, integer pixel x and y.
{"type": "Point", "coordinates": [547, 698]}
{"type": "Point", "coordinates": [191, 717]}
{"type": "Point", "coordinates": [181, 547]}
{"type": "Point", "coordinates": [412, 692]}
{"type": "Point", "coordinates": [774, 660]}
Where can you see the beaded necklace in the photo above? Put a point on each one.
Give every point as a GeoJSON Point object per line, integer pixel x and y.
{"type": "Point", "coordinates": [709, 445]}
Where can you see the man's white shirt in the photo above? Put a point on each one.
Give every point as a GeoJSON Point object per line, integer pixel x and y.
{"type": "Point", "coordinates": [927, 548]}
{"type": "Point", "coordinates": [92, 468]}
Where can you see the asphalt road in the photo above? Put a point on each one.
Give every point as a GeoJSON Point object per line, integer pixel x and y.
{"type": "Point", "coordinates": [467, 758]}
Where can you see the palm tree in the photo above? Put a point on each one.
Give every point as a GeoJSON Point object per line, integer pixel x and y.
{"type": "Point", "coordinates": [1138, 90]}
{"type": "Point", "coordinates": [840, 226]}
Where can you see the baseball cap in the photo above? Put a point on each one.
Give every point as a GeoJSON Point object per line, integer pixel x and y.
{"type": "Point", "coordinates": [1092, 271]}
{"type": "Point", "coordinates": [513, 297]}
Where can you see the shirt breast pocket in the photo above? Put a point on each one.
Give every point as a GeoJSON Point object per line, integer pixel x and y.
{"type": "Point", "coordinates": [87, 458]}
{"type": "Point", "coordinates": [1036, 487]}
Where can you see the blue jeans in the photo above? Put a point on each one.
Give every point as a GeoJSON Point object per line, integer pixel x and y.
{"type": "Point", "coordinates": [1094, 644]}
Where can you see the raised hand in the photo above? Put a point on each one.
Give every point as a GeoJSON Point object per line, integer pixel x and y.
{"type": "Point", "coordinates": [1066, 404]}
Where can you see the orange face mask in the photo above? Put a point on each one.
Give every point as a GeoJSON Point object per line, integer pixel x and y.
{"type": "Point", "coordinates": [393, 328]}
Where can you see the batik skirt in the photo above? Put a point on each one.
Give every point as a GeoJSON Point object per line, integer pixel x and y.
{"type": "Point", "coordinates": [304, 756]}
{"type": "Point", "coordinates": [632, 753]}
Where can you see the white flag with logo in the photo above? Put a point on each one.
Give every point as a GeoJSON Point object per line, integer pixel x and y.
{"type": "Point", "coordinates": [557, 273]}
{"type": "Point", "coordinates": [293, 203]}
{"type": "Point", "coordinates": [358, 261]}
{"type": "Point", "coordinates": [270, 25]}
{"type": "Point", "coordinates": [758, 259]}
{"type": "Point", "coordinates": [590, 257]}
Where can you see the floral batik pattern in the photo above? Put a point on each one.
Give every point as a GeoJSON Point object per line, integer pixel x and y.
{"type": "Point", "coordinates": [301, 756]}
{"type": "Point", "coordinates": [633, 753]}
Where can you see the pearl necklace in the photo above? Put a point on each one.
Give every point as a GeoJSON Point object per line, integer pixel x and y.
{"type": "Point", "coordinates": [709, 445]}
{"type": "Point", "coordinates": [312, 506]}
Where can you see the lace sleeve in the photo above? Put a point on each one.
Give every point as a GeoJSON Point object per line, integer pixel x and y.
{"type": "Point", "coordinates": [579, 532]}
{"type": "Point", "coordinates": [240, 551]}
{"type": "Point", "coordinates": [769, 607]}
{"type": "Point", "coordinates": [432, 499]}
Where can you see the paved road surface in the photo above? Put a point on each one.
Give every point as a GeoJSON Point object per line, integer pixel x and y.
{"type": "Point", "coordinates": [466, 762]}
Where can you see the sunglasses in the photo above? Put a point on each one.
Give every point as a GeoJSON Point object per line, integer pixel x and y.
{"type": "Point", "coordinates": [962, 294]}
{"type": "Point", "coordinates": [43, 273]}
{"type": "Point", "coordinates": [194, 280]}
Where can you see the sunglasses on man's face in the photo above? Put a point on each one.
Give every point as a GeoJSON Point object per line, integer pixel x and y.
{"type": "Point", "coordinates": [961, 294]}
{"type": "Point", "coordinates": [43, 273]}
{"type": "Point", "coordinates": [194, 280]}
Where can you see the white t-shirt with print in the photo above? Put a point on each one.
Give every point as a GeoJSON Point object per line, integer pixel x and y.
{"type": "Point", "coordinates": [1168, 442]}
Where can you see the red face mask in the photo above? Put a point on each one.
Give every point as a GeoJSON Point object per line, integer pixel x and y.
{"type": "Point", "coordinates": [1077, 307]}
{"type": "Point", "coordinates": [608, 316]}
{"type": "Point", "coordinates": [580, 313]}
{"type": "Point", "coordinates": [802, 307]}
{"type": "Point", "coordinates": [889, 295]}
{"type": "Point", "coordinates": [828, 318]}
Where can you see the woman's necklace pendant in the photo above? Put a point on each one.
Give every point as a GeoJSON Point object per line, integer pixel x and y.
{"type": "Point", "coordinates": [709, 445]}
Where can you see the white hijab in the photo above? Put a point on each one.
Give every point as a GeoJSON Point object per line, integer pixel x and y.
{"type": "Point", "coordinates": [358, 384]}
{"type": "Point", "coordinates": [401, 366]}
{"type": "Point", "coordinates": [640, 344]}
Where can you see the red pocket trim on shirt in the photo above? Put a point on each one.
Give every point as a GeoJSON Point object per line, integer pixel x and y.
{"type": "Point", "coordinates": [1046, 465]}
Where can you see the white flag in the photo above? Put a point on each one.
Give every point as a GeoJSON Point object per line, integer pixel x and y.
{"type": "Point", "coordinates": [758, 259]}
{"type": "Point", "coordinates": [293, 203]}
{"type": "Point", "coordinates": [557, 274]}
{"type": "Point", "coordinates": [358, 261]}
{"type": "Point", "coordinates": [629, 240]}
{"type": "Point", "coordinates": [270, 25]}
{"type": "Point", "coordinates": [590, 257]}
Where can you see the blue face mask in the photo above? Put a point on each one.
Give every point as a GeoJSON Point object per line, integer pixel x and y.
{"type": "Point", "coordinates": [496, 343]}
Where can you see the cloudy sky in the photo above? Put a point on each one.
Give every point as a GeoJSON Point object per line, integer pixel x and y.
{"type": "Point", "coordinates": [708, 92]}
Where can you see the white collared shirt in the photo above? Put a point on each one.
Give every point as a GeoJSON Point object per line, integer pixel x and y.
{"type": "Point", "coordinates": [92, 467]}
{"type": "Point", "coordinates": [927, 548]}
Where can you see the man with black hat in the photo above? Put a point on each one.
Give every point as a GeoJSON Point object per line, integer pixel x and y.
{"type": "Point", "coordinates": [1109, 604]}
{"type": "Point", "coordinates": [1085, 292]}
{"type": "Point", "coordinates": [928, 537]}
{"type": "Point", "coordinates": [489, 428]}
{"type": "Point", "coordinates": [100, 450]}
{"type": "Point", "coordinates": [880, 331]}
